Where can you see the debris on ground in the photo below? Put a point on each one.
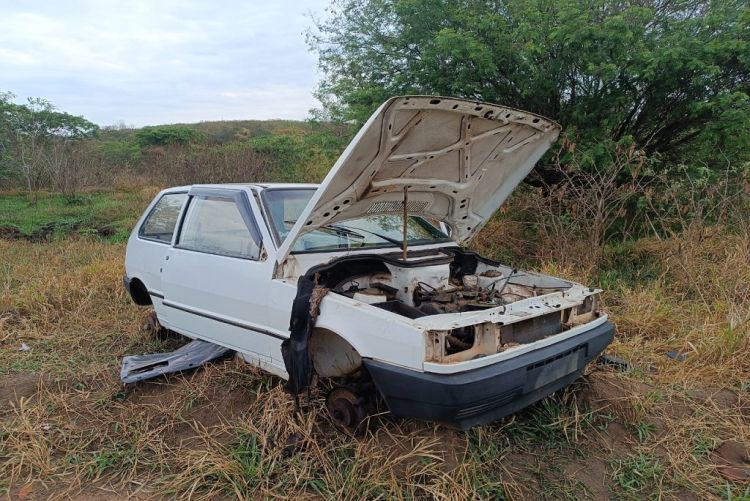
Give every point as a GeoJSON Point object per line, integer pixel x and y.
{"type": "Point", "coordinates": [732, 460]}
{"type": "Point", "coordinates": [293, 441]}
{"type": "Point", "coordinates": [676, 355]}
{"type": "Point", "coordinates": [192, 355]}
{"type": "Point", "coordinates": [24, 347]}
{"type": "Point", "coordinates": [614, 362]}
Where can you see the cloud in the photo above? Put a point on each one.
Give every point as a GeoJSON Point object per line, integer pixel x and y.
{"type": "Point", "coordinates": [147, 62]}
{"type": "Point", "coordinates": [15, 57]}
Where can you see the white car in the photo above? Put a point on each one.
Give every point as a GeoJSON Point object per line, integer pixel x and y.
{"type": "Point", "coordinates": [327, 281]}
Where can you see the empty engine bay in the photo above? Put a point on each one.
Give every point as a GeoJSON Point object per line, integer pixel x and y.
{"type": "Point", "coordinates": [448, 280]}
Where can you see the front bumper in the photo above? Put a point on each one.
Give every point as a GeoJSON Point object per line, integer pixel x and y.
{"type": "Point", "coordinates": [489, 393]}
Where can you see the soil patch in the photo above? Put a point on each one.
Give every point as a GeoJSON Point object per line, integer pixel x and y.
{"type": "Point", "coordinates": [593, 472]}
{"type": "Point", "coordinates": [612, 393]}
{"type": "Point", "coordinates": [44, 233]}
{"type": "Point", "coordinates": [17, 386]}
{"type": "Point", "coordinates": [732, 460]}
{"type": "Point", "coordinates": [56, 489]}
{"type": "Point", "coordinates": [11, 233]}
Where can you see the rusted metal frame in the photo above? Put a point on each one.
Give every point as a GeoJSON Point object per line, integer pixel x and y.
{"type": "Point", "coordinates": [404, 242]}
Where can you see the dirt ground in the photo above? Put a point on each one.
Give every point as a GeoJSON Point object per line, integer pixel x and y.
{"type": "Point", "coordinates": [545, 452]}
{"type": "Point", "coordinates": [671, 427]}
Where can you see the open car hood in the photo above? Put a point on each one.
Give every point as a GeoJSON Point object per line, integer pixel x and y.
{"type": "Point", "coordinates": [459, 160]}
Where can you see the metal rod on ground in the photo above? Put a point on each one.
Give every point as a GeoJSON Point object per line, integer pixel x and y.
{"type": "Point", "coordinates": [406, 200]}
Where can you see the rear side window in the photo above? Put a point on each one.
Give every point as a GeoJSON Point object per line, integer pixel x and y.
{"type": "Point", "coordinates": [161, 221]}
{"type": "Point", "coordinates": [215, 225]}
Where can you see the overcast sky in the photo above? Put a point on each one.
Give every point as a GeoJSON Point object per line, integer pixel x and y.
{"type": "Point", "coordinates": [161, 61]}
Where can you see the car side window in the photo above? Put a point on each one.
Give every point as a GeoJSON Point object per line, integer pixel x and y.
{"type": "Point", "coordinates": [161, 221]}
{"type": "Point", "coordinates": [215, 225]}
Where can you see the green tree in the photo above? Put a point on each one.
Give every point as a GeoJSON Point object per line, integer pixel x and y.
{"type": "Point", "coordinates": [671, 75]}
{"type": "Point", "coordinates": [32, 135]}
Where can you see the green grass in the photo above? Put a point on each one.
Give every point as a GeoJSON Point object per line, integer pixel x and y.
{"type": "Point", "coordinates": [638, 474]}
{"type": "Point", "coordinates": [737, 493]}
{"type": "Point", "coordinates": [553, 422]}
{"type": "Point", "coordinates": [248, 456]}
{"type": "Point", "coordinates": [644, 430]}
{"type": "Point", "coordinates": [21, 366]}
{"type": "Point", "coordinates": [702, 444]}
{"type": "Point", "coordinates": [626, 266]}
{"type": "Point", "coordinates": [47, 216]}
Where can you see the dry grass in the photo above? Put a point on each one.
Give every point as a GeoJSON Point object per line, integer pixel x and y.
{"type": "Point", "coordinates": [699, 306]}
{"type": "Point", "coordinates": [69, 429]}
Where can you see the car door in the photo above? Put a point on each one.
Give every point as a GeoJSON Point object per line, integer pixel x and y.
{"type": "Point", "coordinates": [215, 276]}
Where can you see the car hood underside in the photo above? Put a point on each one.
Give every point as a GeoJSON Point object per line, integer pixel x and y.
{"type": "Point", "coordinates": [453, 160]}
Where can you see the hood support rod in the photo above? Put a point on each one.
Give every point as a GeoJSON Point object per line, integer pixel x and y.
{"type": "Point", "coordinates": [404, 242]}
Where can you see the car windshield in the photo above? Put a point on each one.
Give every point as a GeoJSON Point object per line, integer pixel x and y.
{"type": "Point", "coordinates": [284, 206]}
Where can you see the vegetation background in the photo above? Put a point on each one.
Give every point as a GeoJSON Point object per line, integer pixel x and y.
{"type": "Point", "coordinates": [646, 195]}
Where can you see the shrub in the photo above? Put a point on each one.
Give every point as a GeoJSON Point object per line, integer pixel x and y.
{"type": "Point", "coordinates": [120, 152]}
{"type": "Point", "coordinates": [229, 163]}
{"type": "Point", "coordinates": [165, 135]}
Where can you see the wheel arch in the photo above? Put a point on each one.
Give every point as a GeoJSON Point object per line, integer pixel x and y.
{"type": "Point", "coordinates": [332, 354]}
{"type": "Point", "coordinates": [138, 292]}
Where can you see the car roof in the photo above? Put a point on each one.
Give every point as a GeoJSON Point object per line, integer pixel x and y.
{"type": "Point", "coordinates": [257, 186]}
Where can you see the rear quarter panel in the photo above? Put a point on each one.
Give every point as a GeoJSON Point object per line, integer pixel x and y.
{"type": "Point", "coordinates": [144, 258]}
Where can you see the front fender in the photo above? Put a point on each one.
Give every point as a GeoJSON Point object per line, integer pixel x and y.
{"type": "Point", "coordinates": [374, 332]}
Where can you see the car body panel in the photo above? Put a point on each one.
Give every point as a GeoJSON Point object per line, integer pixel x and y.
{"type": "Point", "coordinates": [481, 395]}
{"type": "Point", "coordinates": [151, 253]}
{"type": "Point", "coordinates": [459, 160]}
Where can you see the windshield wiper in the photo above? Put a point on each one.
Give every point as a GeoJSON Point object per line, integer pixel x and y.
{"type": "Point", "coordinates": [356, 234]}
{"type": "Point", "coordinates": [339, 229]}
{"type": "Point", "coordinates": [342, 229]}
{"type": "Point", "coordinates": [384, 237]}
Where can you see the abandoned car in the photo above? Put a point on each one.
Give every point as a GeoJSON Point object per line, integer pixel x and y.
{"type": "Point", "coordinates": [362, 282]}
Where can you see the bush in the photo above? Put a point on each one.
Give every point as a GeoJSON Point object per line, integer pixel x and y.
{"type": "Point", "coordinates": [287, 154]}
{"type": "Point", "coordinates": [165, 135]}
{"type": "Point", "coordinates": [120, 152]}
{"type": "Point", "coordinates": [229, 163]}
{"type": "Point", "coordinates": [298, 155]}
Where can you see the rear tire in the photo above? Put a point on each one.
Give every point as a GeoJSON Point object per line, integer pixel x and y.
{"type": "Point", "coordinates": [151, 324]}
{"type": "Point", "coordinates": [153, 328]}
